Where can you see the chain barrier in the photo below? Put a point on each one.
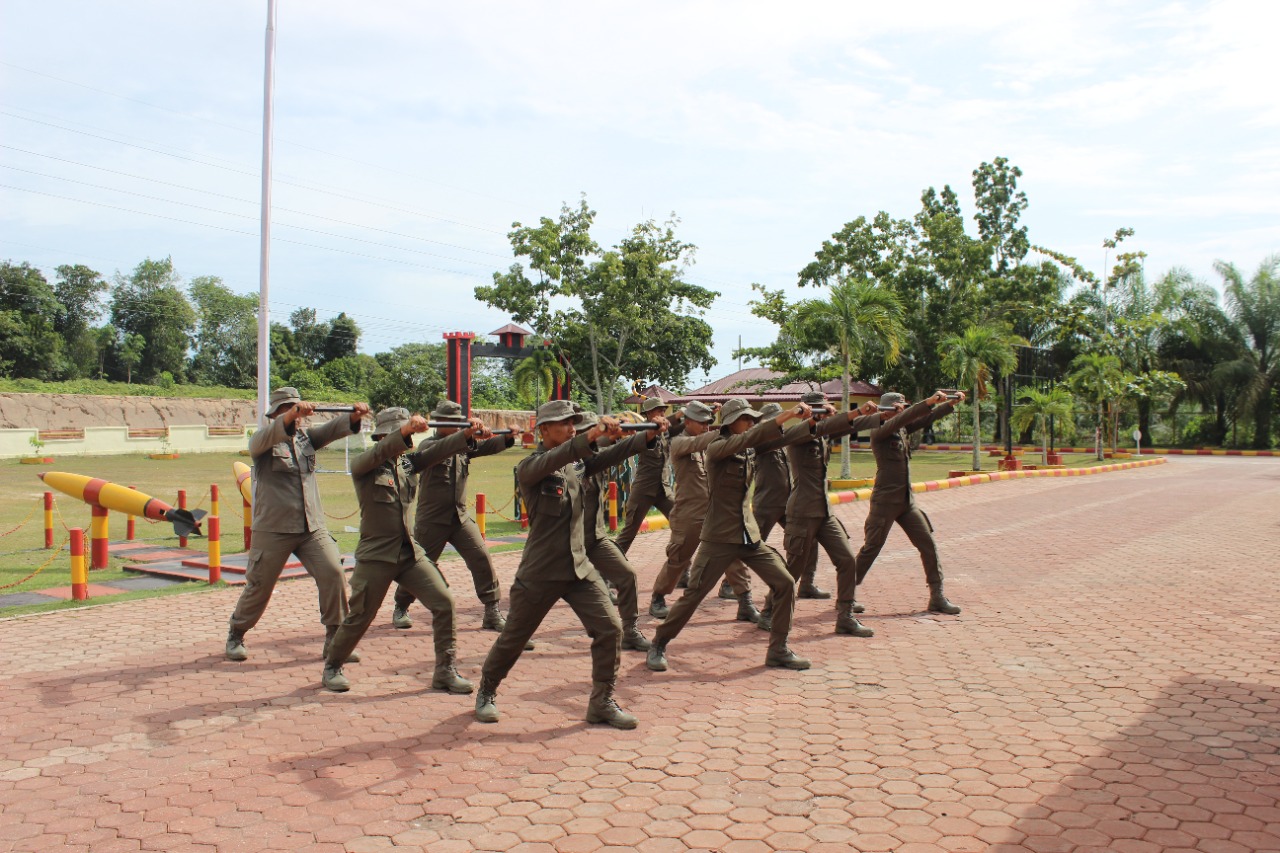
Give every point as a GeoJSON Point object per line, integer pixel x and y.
{"type": "Point", "coordinates": [40, 568]}
{"type": "Point", "coordinates": [202, 500]}
{"type": "Point", "coordinates": [340, 517]}
{"type": "Point", "coordinates": [23, 523]}
{"type": "Point", "coordinates": [57, 507]}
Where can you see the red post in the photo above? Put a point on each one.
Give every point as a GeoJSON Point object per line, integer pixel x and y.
{"type": "Point", "coordinates": [98, 537]}
{"type": "Point", "coordinates": [480, 514]}
{"type": "Point", "coordinates": [213, 499]}
{"type": "Point", "coordinates": [524, 517]}
{"type": "Point", "coordinates": [613, 506]}
{"type": "Point", "coordinates": [79, 575]}
{"type": "Point", "coordinates": [182, 504]}
{"type": "Point", "coordinates": [48, 519]}
{"type": "Point", "coordinates": [215, 549]}
{"type": "Point", "coordinates": [131, 526]}
{"type": "Point", "coordinates": [248, 525]}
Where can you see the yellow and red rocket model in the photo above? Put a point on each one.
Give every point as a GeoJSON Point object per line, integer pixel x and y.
{"type": "Point", "coordinates": [98, 492]}
{"type": "Point", "coordinates": [244, 480]}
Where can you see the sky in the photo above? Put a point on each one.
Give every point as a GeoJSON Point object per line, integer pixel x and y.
{"type": "Point", "coordinates": [410, 135]}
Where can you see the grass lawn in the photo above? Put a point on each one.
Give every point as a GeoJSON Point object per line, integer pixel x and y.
{"type": "Point", "coordinates": [22, 534]}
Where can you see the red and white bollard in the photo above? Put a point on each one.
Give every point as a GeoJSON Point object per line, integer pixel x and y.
{"type": "Point", "coordinates": [79, 574]}
{"type": "Point", "coordinates": [215, 549]}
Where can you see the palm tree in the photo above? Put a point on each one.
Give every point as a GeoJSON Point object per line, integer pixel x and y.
{"type": "Point", "coordinates": [537, 375]}
{"type": "Point", "coordinates": [1098, 378]}
{"type": "Point", "coordinates": [855, 313]}
{"type": "Point", "coordinates": [1254, 308]}
{"type": "Point", "coordinates": [1038, 406]}
{"type": "Point", "coordinates": [973, 357]}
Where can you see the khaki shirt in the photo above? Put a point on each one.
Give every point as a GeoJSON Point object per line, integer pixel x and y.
{"type": "Point", "coordinates": [594, 473]}
{"type": "Point", "coordinates": [891, 446]}
{"type": "Point", "coordinates": [730, 469]}
{"type": "Point", "coordinates": [691, 475]}
{"type": "Point", "coordinates": [286, 498]}
{"type": "Point", "coordinates": [773, 480]}
{"type": "Point", "coordinates": [552, 495]}
{"type": "Point", "coordinates": [809, 460]}
{"type": "Point", "coordinates": [443, 497]}
{"type": "Point", "coordinates": [386, 482]}
{"type": "Point", "coordinates": [653, 476]}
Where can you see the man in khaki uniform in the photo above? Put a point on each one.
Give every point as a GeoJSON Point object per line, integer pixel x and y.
{"type": "Point", "coordinates": [809, 520]}
{"type": "Point", "coordinates": [892, 500]}
{"type": "Point", "coordinates": [772, 488]}
{"type": "Point", "coordinates": [442, 517]}
{"type": "Point", "coordinates": [287, 516]}
{"type": "Point", "coordinates": [601, 550]}
{"type": "Point", "coordinates": [729, 533]}
{"type": "Point", "coordinates": [554, 566]}
{"type": "Point", "coordinates": [651, 486]}
{"type": "Point", "coordinates": [386, 482]}
{"type": "Point", "coordinates": [690, 512]}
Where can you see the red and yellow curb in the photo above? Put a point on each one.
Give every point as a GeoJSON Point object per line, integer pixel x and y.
{"type": "Point", "coordinates": [978, 479]}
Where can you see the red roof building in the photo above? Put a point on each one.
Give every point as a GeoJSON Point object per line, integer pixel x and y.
{"type": "Point", "coordinates": [750, 383]}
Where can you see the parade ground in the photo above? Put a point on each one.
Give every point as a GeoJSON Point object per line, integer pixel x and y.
{"type": "Point", "coordinates": [1113, 684]}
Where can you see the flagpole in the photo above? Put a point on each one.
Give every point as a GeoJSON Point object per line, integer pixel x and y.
{"type": "Point", "coordinates": [264, 319]}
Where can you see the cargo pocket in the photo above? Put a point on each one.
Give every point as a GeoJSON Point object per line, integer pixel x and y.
{"type": "Point", "coordinates": [282, 458]}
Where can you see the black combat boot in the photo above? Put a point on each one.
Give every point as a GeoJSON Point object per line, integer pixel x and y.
{"type": "Point", "coordinates": [747, 609]}
{"type": "Point", "coordinates": [493, 618]}
{"type": "Point", "coordinates": [765, 618]}
{"type": "Point", "coordinates": [683, 583]}
{"type": "Point", "coordinates": [632, 638]}
{"type": "Point", "coordinates": [604, 709]}
{"type": "Point", "coordinates": [938, 602]}
{"type": "Point", "coordinates": [486, 701]}
{"type": "Point", "coordinates": [446, 676]}
{"type": "Point", "coordinates": [809, 589]}
{"type": "Point", "coordinates": [846, 624]}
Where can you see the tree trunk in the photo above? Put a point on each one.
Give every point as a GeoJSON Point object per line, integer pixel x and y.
{"type": "Point", "coordinates": [846, 470]}
{"type": "Point", "coordinates": [1144, 420]}
{"type": "Point", "coordinates": [1262, 421]}
{"type": "Point", "coordinates": [977, 431]}
{"type": "Point", "coordinates": [1044, 440]}
{"type": "Point", "coordinates": [1100, 436]}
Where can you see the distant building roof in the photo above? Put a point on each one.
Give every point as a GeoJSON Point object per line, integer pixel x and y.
{"type": "Point", "coordinates": [747, 383]}
{"type": "Point", "coordinates": [511, 328]}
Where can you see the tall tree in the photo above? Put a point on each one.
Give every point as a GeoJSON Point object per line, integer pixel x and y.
{"type": "Point", "coordinates": [1037, 407]}
{"type": "Point", "coordinates": [973, 357]}
{"type": "Point", "coordinates": [536, 376]}
{"type": "Point", "coordinates": [414, 377]}
{"type": "Point", "coordinates": [1254, 308]}
{"type": "Point", "coordinates": [29, 345]}
{"type": "Point", "coordinates": [150, 303]}
{"type": "Point", "coordinates": [855, 313]}
{"type": "Point", "coordinates": [626, 312]}
{"type": "Point", "coordinates": [999, 208]}
{"type": "Point", "coordinates": [1099, 378]}
{"type": "Point", "coordinates": [341, 340]}
{"type": "Point", "coordinates": [79, 290]}
{"type": "Point", "coordinates": [226, 334]}
{"type": "Point", "coordinates": [132, 348]}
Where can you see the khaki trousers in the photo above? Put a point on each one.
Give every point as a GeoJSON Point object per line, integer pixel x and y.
{"type": "Point", "coordinates": [529, 603]}
{"type": "Point", "coordinates": [685, 536]}
{"type": "Point", "coordinates": [638, 507]}
{"type": "Point", "coordinates": [709, 566]}
{"type": "Point", "coordinates": [464, 536]}
{"type": "Point", "coordinates": [319, 555]}
{"type": "Point", "coordinates": [914, 523]}
{"type": "Point", "coordinates": [369, 584]}
{"type": "Point", "coordinates": [613, 566]}
{"type": "Point", "coordinates": [805, 535]}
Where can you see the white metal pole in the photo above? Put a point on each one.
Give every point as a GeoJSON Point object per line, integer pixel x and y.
{"type": "Point", "coordinates": [264, 319]}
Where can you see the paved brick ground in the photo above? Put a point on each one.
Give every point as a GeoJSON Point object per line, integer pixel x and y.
{"type": "Point", "coordinates": [1113, 684]}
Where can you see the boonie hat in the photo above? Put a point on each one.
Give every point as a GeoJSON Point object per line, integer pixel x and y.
{"type": "Point", "coordinates": [556, 410]}
{"type": "Point", "coordinates": [651, 403]}
{"type": "Point", "coordinates": [390, 420]}
{"type": "Point", "coordinates": [734, 409]}
{"type": "Point", "coordinates": [814, 398]}
{"type": "Point", "coordinates": [447, 410]}
{"type": "Point", "coordinates": [586, 420]}
{"type": "Point", "coordinates": [282, 397]}
{"type": "Point", "coordinates": [891, 399]}
{"type": "Point", "coordinates": [699, 411]}
{"type": "Point", "coordinates": [770, 410]}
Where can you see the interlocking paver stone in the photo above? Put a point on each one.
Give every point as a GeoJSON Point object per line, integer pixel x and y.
{"type": "Point", "coordinates": [1110, 685]}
